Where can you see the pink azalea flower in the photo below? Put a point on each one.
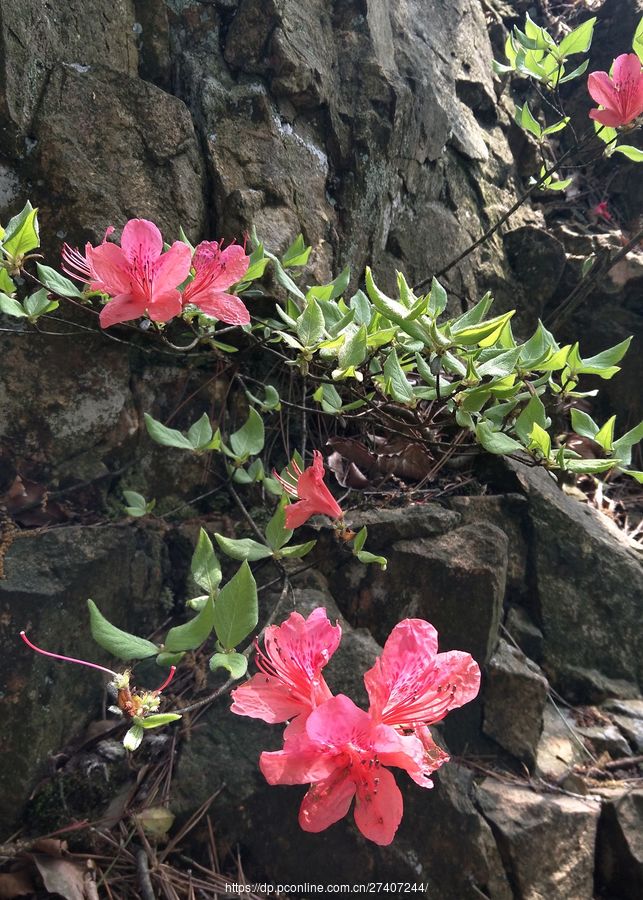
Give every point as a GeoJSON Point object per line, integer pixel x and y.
{"type": "Point", "coordinates": [341, 753]}
{"type": "Point", "coordinates": [314, 496]}
{"type": "Point", "coordinates": [80, 266]}
{"type": "Point", "coordinates": [141, 279]}
{"type": "Point", "coordinates": [621, 96]}
{"type": "Point", "coordinates": [290, 682]}
{"type": "Point", "coordinates": [411, 685]}
{"type": "Point", "coordinates": [601, 211]}
{"type": "Point", "coordinates": [215, 271]}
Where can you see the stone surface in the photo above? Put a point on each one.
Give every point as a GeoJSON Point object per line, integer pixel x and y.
{"type": "Point", "coordinates": [586, 576]}
{"type": "Point", "coordinates": [546, 841]}
{"type": "Point", "coordinates": [559, 748]}
{"type": "Point", "coordinates": [522, 630]}
{"type": "Point", "coordinates": [620, 846]}
{"type": "Point", "coordinates": [515, 694]}
{"type": "Point", "coordinates": [49, 578]}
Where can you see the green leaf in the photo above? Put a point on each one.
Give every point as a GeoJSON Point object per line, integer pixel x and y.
{"type": "Point", "coordinates": [637, 42]}
{"type": "Point", "coordinates": [579, 40]}
{"type": "Point", "coordinates": [576, 73]}
{"type": "Point", "coordinates": [245, 548]}
{"type": "Point", "coordinates": [353, 351]}
{"type": "Point", "coordinates": [11, 307]}
{"type": "Point", "coordinates": [540, 440]}
{"type": "Point", "coordinates": [296, 551]}
{"type": "Point", "coordinates": [603, 364]}
{"type": "Point", "coordinates": [158, 719]}
{"type": "Point", "coordinates": [205, 567]}
{"type": "Point", "coordinates": [362, 308]}
{"type": "Point", "coordinates": [551, 185]}
{"type": "Point", "coordinates": [235, 663]}
{"type": "Point", "coordinates": [589, 466]}
{"type": "Point", "coordinates": [249, 439]}
{"type": "Point", "coordinates": [525, 120]}
{"type": "Point", "coordinates": [133, 738]}
{"type": "Point", "coordinates": [236, 611]}
{"type": "Point", "coordinates": [488, 331]}
{"type": "Point", "coordinates": [360, 539]}
{"type": "Point", "coordinates": [200, 434]}
{"type": "Point", "coordinates": [169, 659]}
{"type": "Point", "coordinates": [557, 126]}
{"type": "Point", "coordinates": [623, 446]}
{"type": "Point", "coordinates": [474, 315]}
{"type": "Point", "coordinates": [500, 364]}
{"type": "Point", "coordinates": [310, 325]}
{"type": "Point", "coordinates": [57, 283]}
{"type": "Point", "coordinates": [136, 503]}
{"type": "Point", "coordinates": [633, 153]}
{"type": "Point", "coordinates": [637, 476]}
{"type": "Point", "coordinates": [365, 557]}
{"type": "Point", "coordinates": [167, 437]}
{"type": "Point", "coordinates": [276, 532]}
{"type": "Point", "coordinates": [22, 233]}
{"type": "Point", "coordinates": [394, 311]}
{"type": "Point", "coordinates": [332, 290]}
{"type": "Point", "coordinates": [583, 424]}
{"type": "Point", "coordinates": [495, 441]}
{"type": "Point", "coordinates": [437, 299]}
{"type": "Point", "coordinates": [297, 254]}
{"type": "Point", "coordinates": [271, 401]}
{"type": "Point", "coordinates": [6, 283]}
{"type": "Point", "coordinates": [532, 414]}
{"type": "Point", "coordinates": [605, 435]}
{"type": "Point", "coordinates": [395, 380]}
{"type": "Point", "coordinates": [193, 633]}
{"type": "Point", "coordinates": [117, 642]}
{"type": "Point", "coordinates": [39, 303]}
{"type": "Point", "coordinates": [606, 134]}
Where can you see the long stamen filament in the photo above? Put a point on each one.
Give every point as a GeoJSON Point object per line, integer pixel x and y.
{"type": "Point", "coordinates": [167, 680]}
{"type": "Point", "coordinates": [71, 659]}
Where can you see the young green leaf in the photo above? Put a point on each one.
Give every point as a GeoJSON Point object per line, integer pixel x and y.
{"type": "Point", "coordinates": [235, 663]}
{"type": "Point", "coordinates": [495, 441]}
{"type": "Point", "coordinates": [310, 325]}
{"type": "Point", "coordinates": [11, 307]}
{"type": "Point", "coordinates": [38, 304]}
{"type": "Point", "coordinates": [633, 153]}
{"type": "Point", "coordinates": [540, 440]}
{"type": "Point", "coordinates": [276, 532]}
{"type": "Point", "coordinates": [245, 548]}
{"type": "Point", "coordinates": [200, 434]}
{"type": "Point", "coordinates": [56, 282]}
{"type": "Point", "coordinates": [193, 633]}
{"type": "Point", "coordinates": [205, 567]}
{"type": "Point", "coordinates": [249, 439]}
{"type": "Point", "coordinates": [605, 435]}
{"type": "Point", "coordinates": [365, 557]}
{"type": "Point", "coordinates": [296, 551]}
{"type": "Point", "coordinates": [167, 437]}
{"type": "Point", "coordinates": [236, 611]}
{"type": "Point", "coordinates": [117, 642]}
{"type": "Point", "coordinates": [297, 254]}
{"type": "Point", "coordinates": [133, 738]}
{"type": "Point", "coordinates": [22, 233]}
{"type": "Point", "coordinates": [583, 424]}
{"type": "Point", "coordinates": [395, 380]}
{"type": "Point", "coordinates": [158, 719]}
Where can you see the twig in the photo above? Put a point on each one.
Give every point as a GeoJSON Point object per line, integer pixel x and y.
{"type": "Point", "coordinates": [143, 871]}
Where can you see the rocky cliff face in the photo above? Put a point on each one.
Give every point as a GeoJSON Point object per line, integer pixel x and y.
{"type": "Point", "coordinates": [371, 126]}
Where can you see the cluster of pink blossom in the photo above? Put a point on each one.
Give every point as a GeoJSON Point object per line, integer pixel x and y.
{"type": "Point", "coordinates": [309, 490]}
{"type": "Point", "coordinates": [142, 280]}
{"type": "Point", "coordinates": [339, 749]}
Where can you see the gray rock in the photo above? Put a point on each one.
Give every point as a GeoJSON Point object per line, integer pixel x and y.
{"type": "Point", "coordinates": [386, 526]}
{"type": "Point", "coordinates": [515, 694]}
{"type": "Point", "coordinates": [523, 631]}
{"type": "Point", "coordinates": [586, 576]}
{"type": "Point", "coordinates": [560, 748]}
{"type": "Point", "coordinates": [604, 739]}
{"type": "Point", "coordinates": [546, 841]}
{"type": "Point", "coordinates": [619, 852]}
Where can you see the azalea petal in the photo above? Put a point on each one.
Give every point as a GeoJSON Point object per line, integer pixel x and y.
{"type": "Point", "coordinates": [602, 90]}
{"type": "Point", "coordinates": [626, 70]}
{"type": "Point", "coordinates": [111, 268]}
{"type": "Point", "coordinates": [226, 307]}
{"type": "Point", "coordinates": [232, 264]}
{"type": "Point", "coordinates": [204, 253]}
{"type": "Point", "coordinates": [172, 268]}
{"type": "Point", "coordinates": [407, 655]}
{"type": "Point", "coordinates": [420, 756]}
{"type": "Point", "coordinates": [267, 697]}
{"type": "Point", "coordinates": [142, 242]}
{"type": "Point", "coordinates": [378, 808]}
{"type": "Point", "coordinates": [338, 722]}
{"type": "Point", "coordinates": [302, 647]}
{"type": "Point", "coordinates": [122, 308]}
{"type": "Point", "coordinates": [326, 802]}
{"type": "Point", "coordinates": [298, 513]}
{"type": "Point", "coordinates": [165, 307]}
{"type": "Point", "coordinates": [300, 762]}
{"type": "Point", "coordinates": [608, 117]}
{"type": "Point", "coordinates": [311, 487]}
